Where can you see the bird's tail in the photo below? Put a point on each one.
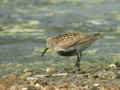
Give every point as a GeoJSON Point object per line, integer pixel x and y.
{"type": "Point", "coordinates": [91, 38]}
{"type": "Point", "coordinates": [94, 37]}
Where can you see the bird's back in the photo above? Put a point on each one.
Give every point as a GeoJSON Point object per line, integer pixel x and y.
{"type": "Point", "coordinates": [70, 40]}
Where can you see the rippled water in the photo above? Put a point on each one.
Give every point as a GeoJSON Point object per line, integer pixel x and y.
{"type": "Point", "coordinates": [25, 25]}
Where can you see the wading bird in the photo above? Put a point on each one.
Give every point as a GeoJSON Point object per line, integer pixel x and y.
{"type": "Point", "coordinates": [70, 44]}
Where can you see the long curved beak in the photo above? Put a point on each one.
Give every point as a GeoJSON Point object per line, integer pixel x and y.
{"type": "Point", "coordinates": [45, 50]}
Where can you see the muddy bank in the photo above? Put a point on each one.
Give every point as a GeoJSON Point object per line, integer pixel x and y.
{"type": "Point", "coordinates": [90, 78]}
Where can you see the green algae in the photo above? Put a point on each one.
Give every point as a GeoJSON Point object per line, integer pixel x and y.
{"type": "Point", "coordinates": [110, 37]}
{"type": "Point", "coordinates": [42, 65]}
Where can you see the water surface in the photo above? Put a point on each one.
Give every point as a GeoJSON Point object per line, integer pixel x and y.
{"type": "Point", "coordinates": [24, 25]}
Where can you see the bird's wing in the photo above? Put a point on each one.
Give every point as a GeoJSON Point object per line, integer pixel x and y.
{"type": "Point", "coordinates": [69, 42]}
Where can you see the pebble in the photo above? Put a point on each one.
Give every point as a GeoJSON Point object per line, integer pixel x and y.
{"type": "Point", "coordinates": [31, 78]}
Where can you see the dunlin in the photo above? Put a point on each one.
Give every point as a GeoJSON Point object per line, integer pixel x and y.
{"type": "Point", "coordinates": [71, 44]}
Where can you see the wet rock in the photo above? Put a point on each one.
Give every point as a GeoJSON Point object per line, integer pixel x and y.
{"type": "Point", "coordinates": [27, 74]}
{"type": "Point", "coordinates": [118, 65]}
{"type": "Point", "coordinates": [94, 88]}
{"type": "Point", "coordinates": [3, 87]}
{"type": "Point", "coordinates": [24, 88]}
{"type": "Point", "coordinates": [64, 86]}
{"type": "Point", "coordinates": [31, 78]}
{"type": "Point", "coordinates": [50, 70]}
{"type": "Point", "coordinates": [118, 74]}
{"type": "Point", "coordinates": [112, 66]}
{"type": "Point", "coordinates": [84, 87]}
{"type": "Point", "coordinates": [12, 77]}
{"type": "Point", "coordinates": [31, 88]}
{"type": "Point", "coordinates": [106, 75]}
{"type": "Point", "coordinates": [26, 70]}
{"type": "Point", "coordinates": [49, 88]}
{"type": "Point", "coordinates": [96, 84]}
{"type": "Point", "coordinates": [38, 86]}
{"type": "Point", "coordinates": [109, 75]}
{"type": "Point", "coordinates": [107, 87]}
{"type": "Point", "coordinates": [14, 87]}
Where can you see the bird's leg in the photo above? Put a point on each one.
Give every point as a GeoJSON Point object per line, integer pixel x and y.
{"type": "Point", "coordinates": [77, 64]}
{"type": "Point", "coordinates": [45, 50]}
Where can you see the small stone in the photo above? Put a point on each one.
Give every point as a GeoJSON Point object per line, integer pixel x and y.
{"type": "Point", "coordinates": [113, 66]}
{"type": "Point", "coordinates": [24, 89]}
{"type": "Point", "coordinates": [33, 82]}
{"type": "Point", "coordinates": [27, 74]}
{"type": "Point", "coordinates": [38, 86]}
{"type": "Point", "coordinates": [49, 88]}
{"type": "Point", "coordinates": [96, 84]}
{"type": "Point", "coordinates": [31, 78]}
{"type": "Point", "coordinates": [14, 87]}
{"type": "Point", "coordinates": [50, 70]}
{"type": "Point", "coordinates": [106, 74]}
{"type": "Point", "coordinates": [31, 88]}
{"type": "Point", "coordinates": [64, 85]}
{"type": "Point", "coordinates": [26, 70]}
{"type": "Point", "coordinates": [2, 87]}
{"type": "Point", "coordinates": [12, 77]}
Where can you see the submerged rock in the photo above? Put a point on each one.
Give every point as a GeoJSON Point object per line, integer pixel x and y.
{"type": "Point", "coordinates": [106, 75]}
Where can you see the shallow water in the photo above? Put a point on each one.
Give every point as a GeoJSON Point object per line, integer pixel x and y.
{"type": "Point", "coordinates": [26, 24]}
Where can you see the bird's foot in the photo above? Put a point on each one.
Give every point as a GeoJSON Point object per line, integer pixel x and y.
{"type": "Point", "coordinates": [76, 69]}
{"type": "Point", "coordinates": [77, 66]}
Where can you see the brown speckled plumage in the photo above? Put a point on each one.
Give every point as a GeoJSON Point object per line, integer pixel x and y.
{"type": "Point", "coordinates": [71, 44]}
